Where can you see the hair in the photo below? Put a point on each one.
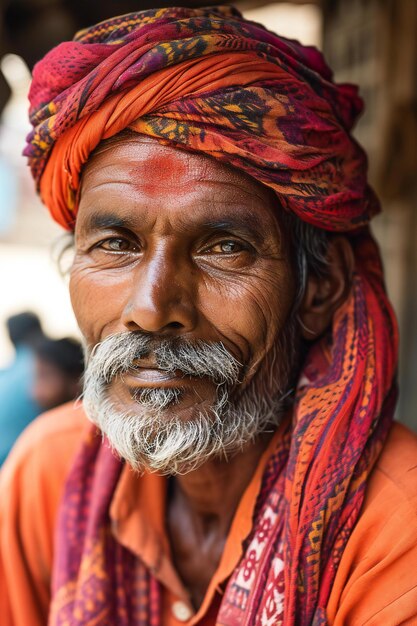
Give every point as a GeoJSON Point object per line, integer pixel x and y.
{"type": "Point", "coordinates": [24, 328]}
{"type": "Point", "coordinates": [65, 354]}
{"type": "Point", "coordinates": [308, 247]}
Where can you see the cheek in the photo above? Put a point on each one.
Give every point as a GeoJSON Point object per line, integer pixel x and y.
{"type": "Point", "coordinates": [250, 311]}
{"type": "Point", "coordinates": [98, 299]}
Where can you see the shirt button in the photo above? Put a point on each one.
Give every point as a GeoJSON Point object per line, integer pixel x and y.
{"type": "Point", "coordinates": [181, 611]}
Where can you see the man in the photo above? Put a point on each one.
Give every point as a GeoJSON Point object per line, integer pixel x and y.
{"type": "Point", "coordinates": [17, 407]}
{"type": "Point", "coordinates": [241, 349]}
{"type": "Point", "coordinates": [58, 371]}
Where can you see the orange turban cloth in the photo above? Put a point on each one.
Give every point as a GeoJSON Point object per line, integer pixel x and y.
{"type": "Point", "coordinates": [209, 81]}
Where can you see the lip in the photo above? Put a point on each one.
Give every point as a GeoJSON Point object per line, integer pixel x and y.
{"type": "Point", "coordinates": [152, 377]}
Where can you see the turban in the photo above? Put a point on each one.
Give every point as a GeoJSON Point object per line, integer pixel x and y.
{"type": "Point", "coordinates": [211, 82]}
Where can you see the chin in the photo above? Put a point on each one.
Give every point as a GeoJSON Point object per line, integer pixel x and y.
{"type": "Point", "coordinates": [173, 404]}
{"type": "Point", "coordinates": [176, 439]}
{"type": "Point", "coordinates": [168, 433]}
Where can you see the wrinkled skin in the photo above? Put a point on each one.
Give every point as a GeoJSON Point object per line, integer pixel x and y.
{"type": "Point", "coordinates": [204, 260]}
{"type": "Point", "coordinates": [178, 244]}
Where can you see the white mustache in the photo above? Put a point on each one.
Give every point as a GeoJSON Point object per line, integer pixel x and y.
{"type": "Point", "coordinates": [119, 353]}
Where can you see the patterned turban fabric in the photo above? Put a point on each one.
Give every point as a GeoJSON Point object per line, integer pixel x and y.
{"type": "Point", "coordinates": [211, 82]}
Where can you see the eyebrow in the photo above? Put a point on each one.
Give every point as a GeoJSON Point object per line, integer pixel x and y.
{"type": "Point", "coordinates": [247, 227]}
{"type": "Point", "coordinates": [99, 221]}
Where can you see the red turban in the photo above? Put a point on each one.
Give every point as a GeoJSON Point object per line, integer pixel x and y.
{"type": "Point", "coordinates": [209, 81]}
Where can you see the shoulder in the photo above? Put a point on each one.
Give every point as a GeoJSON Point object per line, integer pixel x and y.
{"type": "Point", "coordinates": [34, 473]}
{"type": "Point", "coordinates": [49, 442]}
{"type": "Point", "coordinates": [31, 484]}
{"type": "Point", "coordinates": [396, 468]}
{"type": "Point", "coordinates": [52, 425]}
{"type": "Point", "coordinates": [376, 582]}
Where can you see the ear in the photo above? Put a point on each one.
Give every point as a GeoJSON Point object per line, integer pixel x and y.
{"type": "Point", "coordinates": [326, 293]}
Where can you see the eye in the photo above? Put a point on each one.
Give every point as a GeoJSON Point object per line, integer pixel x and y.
{"type": "Point", "coordinates": [118, 244]}
{"type": "Point", "coordinates": [228, 246]}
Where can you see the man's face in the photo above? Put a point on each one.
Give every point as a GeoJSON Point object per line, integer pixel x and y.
{"type": "Point", "coordinates": [177, 248]}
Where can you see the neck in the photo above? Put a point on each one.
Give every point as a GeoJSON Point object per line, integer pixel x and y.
{"type": "Point", "coordinates": [213, 491]}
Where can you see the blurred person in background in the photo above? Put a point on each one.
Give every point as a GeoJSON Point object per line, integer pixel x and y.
{"type": "Point", "coordinates": [59, 366]}
{"type": "Point", "coordinates": [17, 405]}
{"type": "Point", "coordinates": [241, 465]}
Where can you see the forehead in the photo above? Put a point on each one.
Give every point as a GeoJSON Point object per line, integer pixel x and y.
{"type": "Point", "coordinates": [139, 150]}
{"type": "Point", "coordinates": [152, 176]}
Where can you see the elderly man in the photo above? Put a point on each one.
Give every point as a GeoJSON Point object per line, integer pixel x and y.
{"type": "Point", "coordinates": [241, 350]}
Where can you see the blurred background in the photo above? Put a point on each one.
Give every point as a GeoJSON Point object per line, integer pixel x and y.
{"type": "Point", "coordinates": [369, 42]}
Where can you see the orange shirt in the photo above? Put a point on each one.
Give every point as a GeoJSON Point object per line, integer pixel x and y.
{"type": "Point", "coordinates": [376, 583]}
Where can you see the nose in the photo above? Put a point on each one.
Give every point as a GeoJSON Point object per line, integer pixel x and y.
{"type": "Point", "coordinates": [161, 299]}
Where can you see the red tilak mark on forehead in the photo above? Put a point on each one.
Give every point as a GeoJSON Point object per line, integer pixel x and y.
{"type": "Point", "coordinates": [157, 173]}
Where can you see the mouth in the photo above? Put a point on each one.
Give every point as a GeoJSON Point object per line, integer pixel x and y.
{"type": "Point", "coordinates": [151, 377]}
{"type": "Point", "coordinates": [190, 390]}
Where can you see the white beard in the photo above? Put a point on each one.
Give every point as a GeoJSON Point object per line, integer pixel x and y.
{"type": "Point", "coordinates": [153, 438]}
{"type": "Point", "coordinates": [151, 441]}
